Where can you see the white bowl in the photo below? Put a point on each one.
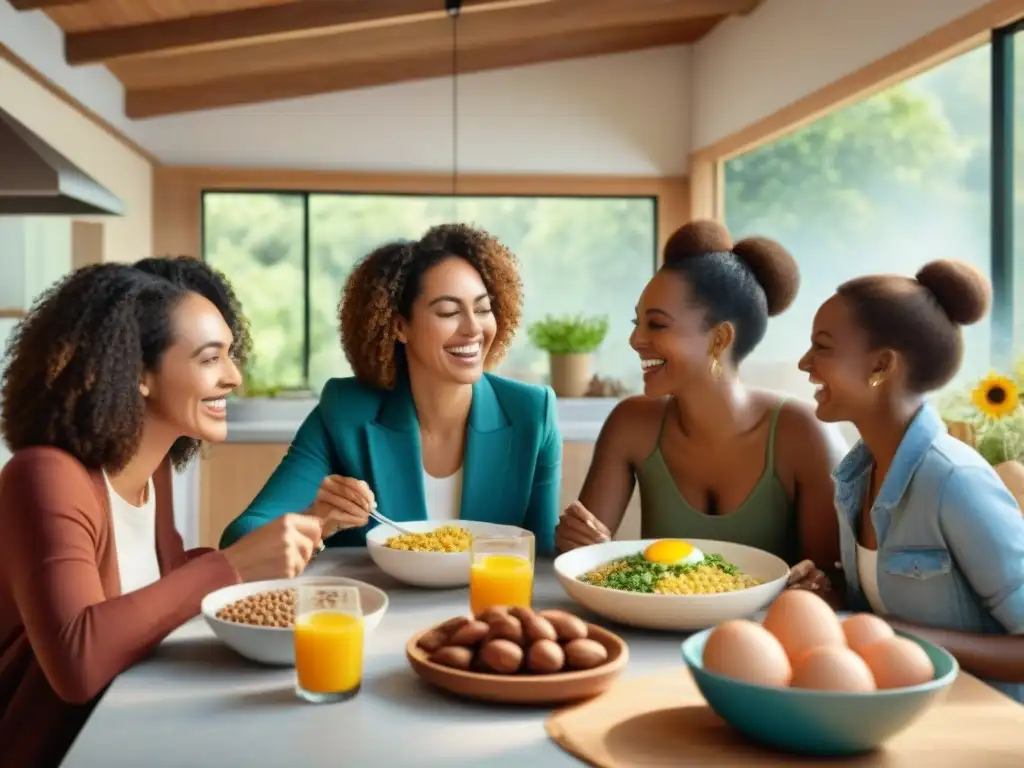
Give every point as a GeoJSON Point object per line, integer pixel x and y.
{"type": "Point", "coordinates": [673, 612]}
{"type": "Point", "coordinates": [273, 645]}
{"type": "Point", "coordinates": [437, 570]}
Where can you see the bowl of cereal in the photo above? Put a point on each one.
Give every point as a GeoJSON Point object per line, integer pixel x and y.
{"type": "Point", "coordinates": [436, 555]}
{"type": "Point", "coordinates": [257, 619]}
{"type": "Point", "coordinates": [671, 584]}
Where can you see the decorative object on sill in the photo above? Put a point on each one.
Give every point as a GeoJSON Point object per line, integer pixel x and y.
{"type": "Point", "coordinates": [570, 341]}
{"type": "Point", "coordinates": [990, 419]}
{"type": "Point", "coordinates": [609, 387]}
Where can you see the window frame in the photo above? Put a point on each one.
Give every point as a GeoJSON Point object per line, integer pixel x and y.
{"type": "Point", "coordinates": [306, 194]}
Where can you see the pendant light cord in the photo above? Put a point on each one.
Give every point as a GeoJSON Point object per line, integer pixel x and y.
{"type": "Point", "coordinates": [454, 7]}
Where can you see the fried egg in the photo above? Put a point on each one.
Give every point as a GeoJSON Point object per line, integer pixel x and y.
{"type": "Point", "coordinates": [673, 552]}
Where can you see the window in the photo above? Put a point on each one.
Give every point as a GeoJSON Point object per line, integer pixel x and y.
{"type": "Point", "coordinates": [1014, 94]}
{"type": "Point", "coordinates": [883, 185]}
{"type": "Point", "coordinates": [288, 255]}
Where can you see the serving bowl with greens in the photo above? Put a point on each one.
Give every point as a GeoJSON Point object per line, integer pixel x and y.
{"type": "Point", "coordinates": [671, 584]}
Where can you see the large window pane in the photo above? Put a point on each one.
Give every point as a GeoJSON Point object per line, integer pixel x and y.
{"type": "Point", "coordinates": [881, 186]}
{"type": "Point", "coordinates": [257, 241]}
{"type": "Point", "coordinates": [578, 255]}
{"type": "Point", "coordinates": [1018, 195]}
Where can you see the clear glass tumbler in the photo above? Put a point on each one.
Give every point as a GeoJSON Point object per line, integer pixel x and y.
{"type": "Point", "coordinates": [328, 642]}
{"type": "Point", "coordinates": [501, 571]}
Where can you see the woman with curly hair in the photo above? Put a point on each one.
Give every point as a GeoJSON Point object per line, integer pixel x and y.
{"type": "Point", "coordinates": [931, 538]}
{"type": "Point", "coordinates": [117, 373]}
{"type": "Point", "coordinates": [714, 460]}
{"type": "Point", "coordinates": [421, 429]}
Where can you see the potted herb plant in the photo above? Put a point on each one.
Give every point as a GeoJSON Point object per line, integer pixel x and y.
{"type": "Point", "coordinates": [993, 423]}
{"type": "Point", "coordinates": [569, 341]}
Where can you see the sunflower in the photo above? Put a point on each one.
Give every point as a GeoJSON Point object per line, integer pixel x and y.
{"type": "Point", "coordinates": [996, 396]}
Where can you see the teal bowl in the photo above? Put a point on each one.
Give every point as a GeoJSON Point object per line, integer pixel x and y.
{"type": "Point", "coordinates": [819, 723]}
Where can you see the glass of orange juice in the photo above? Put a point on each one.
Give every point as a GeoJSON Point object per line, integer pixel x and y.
{"type": "Point", "coordinates": [501, 571]}
{"type": "Point", "coordinates": [328, 641]}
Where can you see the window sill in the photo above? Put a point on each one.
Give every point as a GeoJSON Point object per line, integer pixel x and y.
{"type": "Point", "coordinates": [276, 420]}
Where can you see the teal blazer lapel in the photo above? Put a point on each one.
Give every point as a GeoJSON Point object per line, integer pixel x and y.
{"type": "Point", "coordinates": [396, 457]}
{"type": "Point", "coordinates": [487, 453]}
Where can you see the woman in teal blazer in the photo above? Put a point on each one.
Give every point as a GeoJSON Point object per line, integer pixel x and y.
{"type": "Point", "coordinates": [428, 433]}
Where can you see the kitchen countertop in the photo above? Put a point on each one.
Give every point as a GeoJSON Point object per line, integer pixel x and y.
{"type": "Point", "coordinates": [276, 420]}
{"type": "Point", "coordinates": [195, 703]}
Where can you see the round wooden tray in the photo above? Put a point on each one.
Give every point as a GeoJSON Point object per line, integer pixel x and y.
{"type": "Point", "coordinates": [524, 688]}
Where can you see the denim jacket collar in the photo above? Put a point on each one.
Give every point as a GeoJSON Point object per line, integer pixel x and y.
{"type": "Point", "coordinates": [852, 470]}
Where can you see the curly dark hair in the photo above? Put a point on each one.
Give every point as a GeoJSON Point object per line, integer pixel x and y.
{"type": "Point", "coordinates": [743, 283]}
{"type": "Point", "coordinates": [385, 283]}
{"type": "Point", "coordinates": [920, 317]}
{"type": "Point", "coordinates": [72, 368]}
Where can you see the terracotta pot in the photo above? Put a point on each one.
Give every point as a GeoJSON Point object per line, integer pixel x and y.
{"type": "Point", "coordinates": [962, 431]}
{"type": "Point", "coordinates": [1012, 473]}
{"type": "Point", "coordinates": [570, 375]}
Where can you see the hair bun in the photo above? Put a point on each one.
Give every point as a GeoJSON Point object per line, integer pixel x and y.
{"type": "Point", "coordinates": [961, 289]}
{"type": "Point", "coordinates": [696, 238]}
{"type": "Point", "coordinates": [773, 267]}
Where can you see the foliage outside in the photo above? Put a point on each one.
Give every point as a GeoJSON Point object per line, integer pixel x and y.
{"type": "Point", "coordinates": [569, 335]}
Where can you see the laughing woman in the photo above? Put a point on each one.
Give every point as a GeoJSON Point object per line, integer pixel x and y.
{"type": "Point", "coordinates": [421, 429]}
{"type": "Point", "coordinates": [713, 459]}
{"type": "Point", "coordinates": [114, 376]}
{"type": "Point", "coordinates": [931, 538]}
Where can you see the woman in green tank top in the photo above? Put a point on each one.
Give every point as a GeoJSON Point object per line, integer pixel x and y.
{"type": "Point", "coordinates": [713, 459]}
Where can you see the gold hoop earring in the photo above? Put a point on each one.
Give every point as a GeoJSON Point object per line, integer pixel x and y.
{"type": "Point", "coordinates": [715, 368]}
{"type": "Point", "coordinates": [876, 379]}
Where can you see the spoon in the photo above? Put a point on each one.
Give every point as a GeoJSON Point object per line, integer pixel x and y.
{"type": "Point", "coordinates": [387, 521]}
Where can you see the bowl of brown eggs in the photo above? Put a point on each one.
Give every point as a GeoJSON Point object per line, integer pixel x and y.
{"type": "Point", "coordinates": [809, 681]}
{"type": "Point", "coordinates": [257, 620]}
{"type": "Point", "coordinates": [515, 655]}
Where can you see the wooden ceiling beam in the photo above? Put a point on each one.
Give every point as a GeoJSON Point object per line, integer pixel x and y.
{"type": "Point", "coordinates": [32, 5]}
{"type": "Point", "coordinates": [262, 87]}
{"type": "Point", "coordinates": [260, 24]}
{"type": "Point", "coordinates": [561, 17]}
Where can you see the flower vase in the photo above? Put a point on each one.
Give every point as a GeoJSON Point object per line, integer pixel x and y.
{"type": "Point", "coordinates": [1012, 474]}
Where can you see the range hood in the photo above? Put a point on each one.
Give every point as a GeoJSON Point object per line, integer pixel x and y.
{"type": "Point", "coordinates": [36, 179]}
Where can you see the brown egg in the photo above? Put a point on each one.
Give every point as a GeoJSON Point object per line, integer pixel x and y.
{"type": "Point", "coordinates": [453, 656]}
{"type": "Point", "coordinates": [744, 650]}
{"type": "Point", "coordinates": [584, 653]}
{"type": "Point", "coordinates": [469, 634]}
{"type": "Point", "coordinates": [801, 620]}
{"type": "Point", "coordinates": [501, 656]}
{"type": "Point", "coordinates": [832, 668]}
{"type": "Point", "coordinates": [863, 629]}
{"type": "Point", "coordinates": [897, 662]}
{"type": "Point", "coordinates": [545, 657]}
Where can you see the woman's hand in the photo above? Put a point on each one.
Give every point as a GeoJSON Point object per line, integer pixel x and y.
{"type": "Point", "coordinates": [281, 549]}
{"type": "Point", "coordinates": [577, 527]}
{"type": "Point", "coordinates": [342, 503]}
{"type": "Point", "coordinates": [805, 575]}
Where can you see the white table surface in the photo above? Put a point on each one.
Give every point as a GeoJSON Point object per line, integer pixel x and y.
{"type": "Point", "coordinates": [195, 703]}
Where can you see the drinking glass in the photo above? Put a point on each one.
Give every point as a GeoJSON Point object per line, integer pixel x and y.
{"type": "Point", "coordinates": [328, 642]}
{"type": "Point", "coordinates": [501, 571]}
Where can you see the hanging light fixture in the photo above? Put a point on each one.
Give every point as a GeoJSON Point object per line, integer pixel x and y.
{"type": "Point", "coordinates": [454, 7]}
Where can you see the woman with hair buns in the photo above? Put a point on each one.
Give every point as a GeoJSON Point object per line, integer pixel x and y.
{"type": "Point", "coordinates": [930, 537]}
{"type": "Point", "coordinates": [713, 459]}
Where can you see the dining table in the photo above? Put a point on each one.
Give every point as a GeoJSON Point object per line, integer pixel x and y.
{"type": "Point", "coordinates": [195, 703]}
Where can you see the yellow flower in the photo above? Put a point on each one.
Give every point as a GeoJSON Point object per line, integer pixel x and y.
{"type": "Point", "coordinates": [996, 396]}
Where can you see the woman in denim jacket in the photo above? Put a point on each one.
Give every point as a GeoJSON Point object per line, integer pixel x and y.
{"type": "Point", "coordinates": [941, 552]}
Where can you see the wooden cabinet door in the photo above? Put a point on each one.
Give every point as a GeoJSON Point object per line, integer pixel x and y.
{"type": "Point", "coordinates": [231, 474]}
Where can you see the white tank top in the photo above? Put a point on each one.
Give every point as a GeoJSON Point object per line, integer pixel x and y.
{"type": "Point", "coordinates": [134, 539]}
{"type": "Point", "coordinates": [443, 495]}
{"type": "Point", "coordinates": [867, 570]}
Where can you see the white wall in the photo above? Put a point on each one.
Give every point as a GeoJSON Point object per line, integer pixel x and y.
{"type": "Point", "coordinates": [618, 114]}
{"type": "Point", "coordinates": [749, 67]}
{"type": "Point", "coordinates": [37, 40]}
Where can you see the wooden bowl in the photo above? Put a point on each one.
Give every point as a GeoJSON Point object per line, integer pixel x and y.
{"type": "Point", "coordinates": [524, 688]}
